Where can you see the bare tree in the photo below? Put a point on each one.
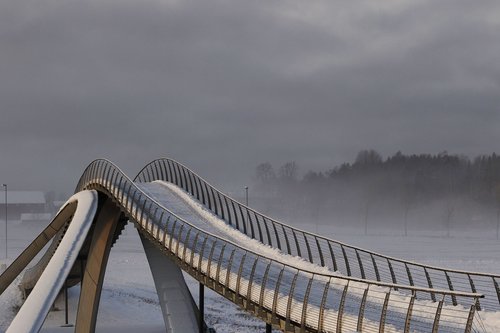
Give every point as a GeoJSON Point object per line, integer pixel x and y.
{"type": "Point", "coordinates": [264, 172]}
{"type": "Point", "coordinates": [368, 157]}
{"type": "Point", "coordinates": [288, 171]}
{"type": "Point", "coordinates": [497, 197]}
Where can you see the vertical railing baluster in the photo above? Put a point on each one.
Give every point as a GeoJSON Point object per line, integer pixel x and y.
{"type": "Point", "coordinates": [360, 264]}
{"type": "Point", "coordinates": [209, 197]}
{"type": "Point", "coordinates": [119, 193]}
{"type": "Point", "coordinates": [278, 238]}
{"type": "Point", "coordinates": [429, 283]}
{"type": "Point", "coordinates": [215, 202]}
{"type": "Point", "coordinates": [361, 313]}
{"type": "Point", "coordinates": [305, 303]}
{"type": "Point", "coordinates": [408, 272]}
{"type": "Point", "coordinates": [221, 258]}
{"type": "Point", "coordinates": [112, 187]}
{"type": "Point", "coordinates": [320, 252]}
{"type": "Point", "coordinates": [190, 182]}
{"type": "Point", "coordinates": [158, 225]}
{"type": "Point", "coordinates": [148, 173]}
{"type": "Point", "coordinates": [152, 217]}
{"type": "Point", "coordinates": [165, 231]}
{"type": "Point", "coordinates": [250, 282]}
{"type": "Point", "coordinates": [195, 243]}
{"type": "Point", "coordinates": [221, 206]}
{"type": "Point", "coordinates": [437, 316]}
{"type": "Point", "coordinates": [240, 271]}
{"type": "Point", "coordinates": [228, 271]}
{"type": "Point", "coordinates": [229, 217]}
{"type": "Point", "coordinates": [258, 228]}
{"type": "Point", "coordinates": [196, 186]}
{"type": "Point", "coordinates": [142, 213]}
{"type": "Point", "coordinates": [263, 286]}
{"type": "Point", "coordinates": [409, 312]}
{"type": "Point", "coordinates": [236, 219]}
{"type": "Point", "coordinates": [287, 242]}
{"type": "Point", "coordinates": [289, 301]}
{"type": "Point", "coordinates": [175, 174]}
{"type": "Point", "coordinates": [209, 266]}
{"type": "Point", "coordinates": [186, 242]}
{"type": "Point", "coordinates": [296, 243]}
{"type": "Point", "coordinates": [250, 222]}
{"type": "Point", "coordinates": [383, 315]}
{"type": "Point", "coordinates": [130, 200]}
{"type": "Point", "coordinates": [450, 285]}
{"type": "Point", "coordinates": [322, 305]}
{"type": "Point", "coordinates": [170, 174]}
{"type": "Point", "coordinates": [204, 194]}
{"type": "Point", "coordinates": [497, 289]}
{"type": "Point", "coordinates": [341, 308]}
{"type": "Point", "coordinates": [470, 317]}
{"type": "Point", "coordinates": [244, 220]}
{"type": "Point", "coordinates": [332, 254]}
{"type": "Point", "coordinates": [269, 240]}
{"type": "Point", "coordinates": [308, 248]}
{"type": "Point", "coordinates": [178, 173]}
{"type": "Point", "coordinates": [157, 174]}
{"type": "Point", "coordinates": [346, 261]}
{"type": "Point", "coordinates": [137, 206]}
{"type": "Point", "coordinates": [200, 259]}
{"type": "Point", "coordinates": [179, 240]}
{"type": "Point", "coordinates": [393, 275]}
{"type": "Point", "coordinates": [375, 267]}
{"type": "Point", "coordinates": [276, 292]}
{"type": "Point", "coordinates": [172, 236]}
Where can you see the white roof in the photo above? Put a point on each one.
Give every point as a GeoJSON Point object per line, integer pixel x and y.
{"type": "Point", "coordinates": [23, 197]}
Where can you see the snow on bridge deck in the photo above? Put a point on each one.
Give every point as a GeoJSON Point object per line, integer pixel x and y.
{"type": "Point", "coordinates": [185, 207]}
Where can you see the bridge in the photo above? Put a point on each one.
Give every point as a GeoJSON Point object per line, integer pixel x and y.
{"type": "Point", "coordinates": [293, 280]}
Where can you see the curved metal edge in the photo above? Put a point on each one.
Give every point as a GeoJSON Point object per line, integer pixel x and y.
{"type": "Point", "coordinates": [32, 314]}
{"type": "Point", "coordinates": [312, 234]}
{"type": "Point", "coordinates": [102, 187]}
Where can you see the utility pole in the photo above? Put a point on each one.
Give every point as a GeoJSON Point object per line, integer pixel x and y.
{"type": "Point", "coordinates": [246, 195]}
{"type": "Point", "coordinates": [6, 218]}
{"type": "Point", "coordinates": [246, 217]}
{"type": "Point", "coordinates": [6, 248]}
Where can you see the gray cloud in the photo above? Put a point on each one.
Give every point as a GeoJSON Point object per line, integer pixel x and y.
{"type": "Point", "coordinates": [224, 85]}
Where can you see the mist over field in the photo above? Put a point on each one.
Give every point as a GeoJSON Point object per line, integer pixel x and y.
{"type": "Point", "coordinates": [439, 194]}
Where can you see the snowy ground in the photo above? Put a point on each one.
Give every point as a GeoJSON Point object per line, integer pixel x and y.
{"type": "Point", "coordinates": [129, 302]}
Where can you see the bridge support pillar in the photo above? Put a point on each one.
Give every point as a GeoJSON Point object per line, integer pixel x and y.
{"type": "Point", "coordinates": [105, 227]}
{"type": "Point", "coordinates": [177, 304]}
{"type": "Point", "coordinates": [269, 328]}
{"type": "Point", "coordinates": [201, 314]}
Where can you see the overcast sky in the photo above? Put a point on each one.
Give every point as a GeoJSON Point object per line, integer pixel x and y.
{"type": "Point", "coordinates": [224, 85]}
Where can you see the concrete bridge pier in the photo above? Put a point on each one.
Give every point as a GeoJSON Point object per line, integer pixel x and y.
{"type": "Point", "coordinates": [177, 304]}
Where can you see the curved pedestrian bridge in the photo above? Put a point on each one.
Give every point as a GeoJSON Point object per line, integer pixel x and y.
{"type": "Point", "coordinates": [293, 280]}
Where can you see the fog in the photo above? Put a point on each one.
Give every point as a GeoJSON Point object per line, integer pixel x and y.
{"type": "Point", "coordinates": [224, 85]}
{"type": "Point", "coordinates": [440, 195]}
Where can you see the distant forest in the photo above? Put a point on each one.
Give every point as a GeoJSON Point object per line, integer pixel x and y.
{"type": "Point", "coordinates": [442, 191]}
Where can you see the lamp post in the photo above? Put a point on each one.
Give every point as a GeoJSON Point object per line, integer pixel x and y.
{"type": "Point", "coordinates": [246, 195]}
{"type": "Point", "coordinates": [246, 209]}
{"type": "Point", "coordinates": [5, 190]}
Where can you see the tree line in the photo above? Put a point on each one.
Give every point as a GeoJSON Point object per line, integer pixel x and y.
{"type": "Point", "coordinates": [445, 190]}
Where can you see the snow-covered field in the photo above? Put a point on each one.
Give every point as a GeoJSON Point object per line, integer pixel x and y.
{"type": "Point", "coordinates": [129, 302]}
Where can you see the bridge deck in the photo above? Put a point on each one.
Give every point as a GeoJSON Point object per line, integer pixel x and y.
{"type": "Point", "coordinates": [214, 259]}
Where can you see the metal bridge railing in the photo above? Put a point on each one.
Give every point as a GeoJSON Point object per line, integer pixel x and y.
{"type": "Point", "coordinates": [338, 256]}
{"type": "Point", "coordinates": [285, 295]}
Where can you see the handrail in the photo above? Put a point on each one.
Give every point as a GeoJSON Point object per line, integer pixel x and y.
{"type": "Point", "coordinates": [333, 275]}
{"type": "Point", "coordinates": [339, 256]}
{"type": "Point", "coordinates": [196, 251]}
